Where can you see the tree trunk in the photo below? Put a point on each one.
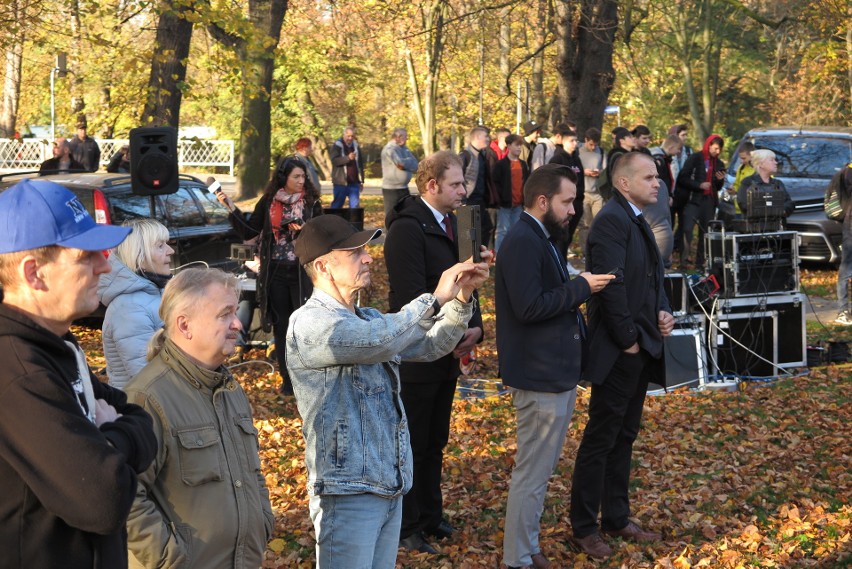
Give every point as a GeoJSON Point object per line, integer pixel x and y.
{"type": "Point", "coordinates": [708, 101]}
{"type": "Point", "coordinates": [258, 64]}
{"type": "Point", "coordinates": [108, 129]}
{"type": "Point", "coordinates": [255, 128]}
{"type": "Point", "coordinates": [424, 103]}
{"type": "Point", "coordinates": [538, 103]}
{"type": "Point", "coordinates": [316, 134]}
{"type": "Point", "coordinates": [504, 43]}
{"type": "Point", "coordinates": [849, 52]}
{"type": "Point", "coordinates": [75, 61]}
{"type": "Point", "coordinates": [168, 66]}
{"type": "Point", "coordinates": [267, 17]}
{"type": "Point", "coordinates": [584, 59]}
{"type": "Point", "coordinates": [12, 88]}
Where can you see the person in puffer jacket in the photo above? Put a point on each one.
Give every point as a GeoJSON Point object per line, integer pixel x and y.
{"type": "Point", "coordinates": [131, 292]}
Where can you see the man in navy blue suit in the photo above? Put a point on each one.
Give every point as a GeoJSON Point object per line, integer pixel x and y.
{"type": "Point", "coordinates": [627, 324]}
{"type": "Point", "coordinates": [540, 334]}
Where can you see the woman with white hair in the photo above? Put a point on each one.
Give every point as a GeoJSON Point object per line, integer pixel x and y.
{"type": "Point", "coordinates": [131, 291]}
{"type": "Point", "coordinates": [764, 164]}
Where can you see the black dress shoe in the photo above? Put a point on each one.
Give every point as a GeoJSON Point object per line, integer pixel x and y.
{"type": "Point", "coordinates": [416, 542]}
{"type": "Point", "coordinates": [443, 531]}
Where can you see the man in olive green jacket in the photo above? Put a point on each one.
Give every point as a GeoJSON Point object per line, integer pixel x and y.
{"type": "Point", "coordinates": [203, 503]}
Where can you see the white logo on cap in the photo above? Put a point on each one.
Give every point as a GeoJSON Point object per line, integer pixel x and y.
{"type": "Point", "coordinates": [77, 209]}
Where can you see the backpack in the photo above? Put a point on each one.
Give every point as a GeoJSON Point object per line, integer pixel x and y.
{"type": "Point", "coordinates": [834, 198]}
{"type": "Point", "coordinates": [604, 181]}
{"type": "Point", "coordinates": [604, 184]}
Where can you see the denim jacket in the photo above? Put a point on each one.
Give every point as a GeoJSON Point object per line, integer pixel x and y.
{"type": "Point", "coordinates": [345, 373]}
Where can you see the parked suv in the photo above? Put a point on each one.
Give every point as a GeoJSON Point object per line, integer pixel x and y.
{"type": "Point", "coordinates": [198, 224]}
{"type": "Point", "coordinates": [808, 157]}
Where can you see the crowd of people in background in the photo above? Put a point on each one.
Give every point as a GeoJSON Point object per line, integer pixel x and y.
{"type": "Point", "coordinates": [166, 453]}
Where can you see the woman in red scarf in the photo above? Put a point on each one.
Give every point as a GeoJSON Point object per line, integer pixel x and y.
{"type": "Point", "coordinates": [289, 201]}
{"type": "Point", "coordinates": [702, 176]}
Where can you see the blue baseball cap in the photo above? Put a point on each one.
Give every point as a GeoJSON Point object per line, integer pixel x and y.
{"type": "Point", "coordinates": [37, 213]}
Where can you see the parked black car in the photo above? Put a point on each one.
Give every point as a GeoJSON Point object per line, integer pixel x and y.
{"type": "Point", "coordinates": [808, 157]}
{"type": "Point", "coordinates": [198, 224]}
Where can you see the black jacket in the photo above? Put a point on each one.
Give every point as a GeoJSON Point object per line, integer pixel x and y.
{"type": "Point", "coordinates": [67, 484]}
{"type": "Point", "coordinates": [259, 224]}
{"type": "Point", "coordinates": [51, 166]}
{"type": "Point", "coordinates": [625, 311]}
{"type": "Point", "coordinates": [417, 251]}
{"type": "Point", "coordinates": [539, 327]}
{"type": "Point", "coordinates": [118, 164]}
{"type": "Point", "coordinates": [86, 152]}
{"type": "Point", "coordinates": [755, 181]}
{"type": "Point", "coordinates": [501, 175]}
{"type": "Point", "coordinates": [694, 173]}
{"type": "Point", "coordinates": [612, 157]}
{"type": "Point", "coordinates": [572, 161]}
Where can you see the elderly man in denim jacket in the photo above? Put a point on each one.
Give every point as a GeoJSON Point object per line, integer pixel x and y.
{"type": "Point", "coordinates": [344, 363]}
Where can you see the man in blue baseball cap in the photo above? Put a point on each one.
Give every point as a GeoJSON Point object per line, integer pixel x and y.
{"type": "Point", "coordinates": [70, 446]}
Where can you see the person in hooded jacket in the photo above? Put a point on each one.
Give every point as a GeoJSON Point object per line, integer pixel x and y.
{"type": "Point", "coordinates": [702, 176]}
{"type": "Point", "coordinates": [289, 201]}
{"type": "Point", "coordinates": [131, 292]}
{"type": "Point", "coordinates": [71, 447]}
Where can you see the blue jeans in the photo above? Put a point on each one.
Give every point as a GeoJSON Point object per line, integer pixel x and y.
{"type": "Point", "coordinates": [356, 531]}
{"type": "Point", "coordinates": [844, 271]}
{"type": "Point", "coordinates": [353, 191]}
{"type": "Point", "coordinates": [506, 218]}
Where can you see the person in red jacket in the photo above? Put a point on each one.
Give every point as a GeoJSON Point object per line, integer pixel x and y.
{"type": "Point", "coordinates": [702, 176]}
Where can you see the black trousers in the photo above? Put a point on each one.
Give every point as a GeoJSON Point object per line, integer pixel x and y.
{"type": "Point", "coordinates": [602, 469]}
{"type": "Point", "coordinates": [428, 407]}
{"type": "Point", "coordinates": [699, 211]}
{"type": "Point", "coordinates": [285, 293]}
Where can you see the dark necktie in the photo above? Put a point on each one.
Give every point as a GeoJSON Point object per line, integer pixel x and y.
{"type": "Point", "coordinates": [643, 223]}
{"type": "Point", "coordinates": [653, 251]}
{"type": "Point", "coordinates": [561, 266]}
{"type": "Point", "coordinates": [448, 227]}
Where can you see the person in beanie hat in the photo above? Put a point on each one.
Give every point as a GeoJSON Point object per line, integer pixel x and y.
{"type": "Point", "coordinates": [532, 132]}
{"type": "Point", "coordinates": [344, 364]}
{"type": "Point", "coordinates": [71, 447]}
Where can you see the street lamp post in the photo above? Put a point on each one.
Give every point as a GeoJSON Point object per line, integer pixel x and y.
{"type": "Point", "coordinates": [52, 105]}
{"type": "Point", "coordinates": [58, 69]}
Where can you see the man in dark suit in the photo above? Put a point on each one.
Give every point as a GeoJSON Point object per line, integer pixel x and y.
{"type": "Point", "coordinates": [539, 339]}
{"type": "Point", "coordinates": [419, 247]}
{"type": "Point", "coordinates": [627, 324]}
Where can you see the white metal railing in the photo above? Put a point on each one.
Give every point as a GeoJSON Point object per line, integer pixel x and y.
{"type": "Point", "coordinates": [21, 154]}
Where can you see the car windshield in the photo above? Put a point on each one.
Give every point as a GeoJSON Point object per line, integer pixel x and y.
{"type": "Point", "coordinates": [806, 156]}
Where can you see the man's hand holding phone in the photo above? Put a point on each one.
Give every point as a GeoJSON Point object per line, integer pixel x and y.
{"type": "Point", "coordinates": [598, 282]}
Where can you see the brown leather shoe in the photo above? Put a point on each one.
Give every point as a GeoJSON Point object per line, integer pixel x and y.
{"type": "Point", "coordinates": [633, 532]}
{"type": "Point", "coordinates": [593, 545]}
{"type": "Point", "coordinates": [539, 561]}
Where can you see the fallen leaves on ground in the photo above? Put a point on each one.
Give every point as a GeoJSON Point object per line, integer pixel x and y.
{"type": "Point", "coordinates": [759, 478]}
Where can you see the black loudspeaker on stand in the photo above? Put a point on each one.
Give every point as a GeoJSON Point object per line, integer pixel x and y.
{"type": "Point", "coordinates": [153, 160]}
